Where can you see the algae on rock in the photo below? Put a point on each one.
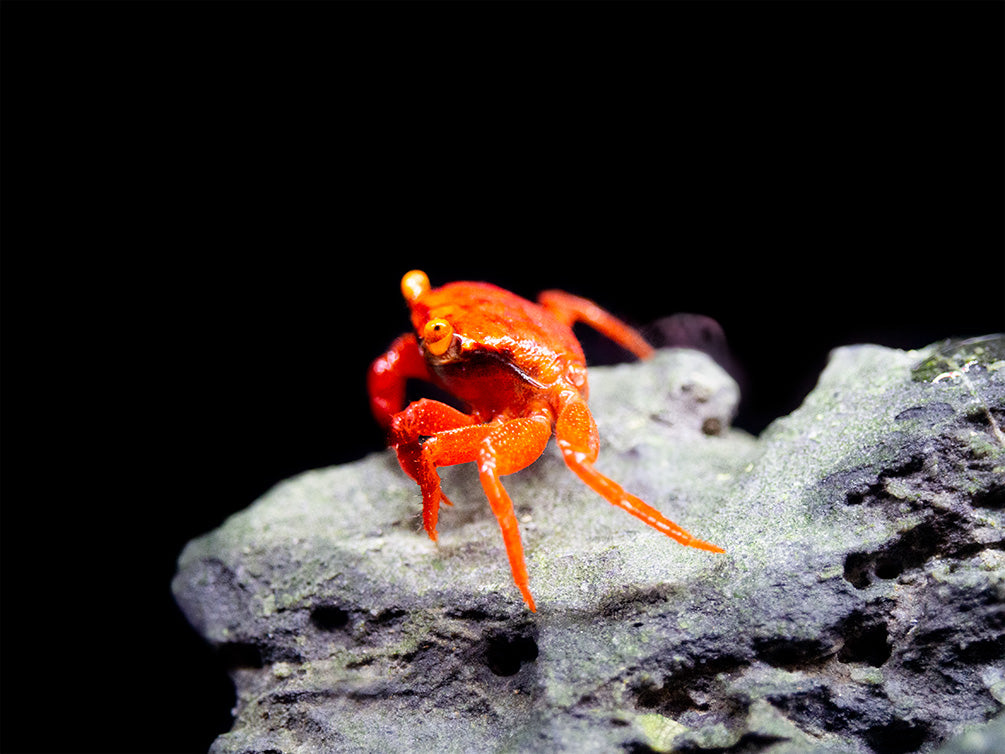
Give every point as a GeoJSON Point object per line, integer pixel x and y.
{"type": "Point", "coordinates": [860, 605]}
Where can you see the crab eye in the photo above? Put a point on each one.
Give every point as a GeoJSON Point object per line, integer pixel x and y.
{"type": "Point", "coordinates": [437, 335]}
{"type": "Point", "coordinates": [414, 284]}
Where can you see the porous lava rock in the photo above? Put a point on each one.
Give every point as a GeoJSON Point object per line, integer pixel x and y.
{"type": "Point", "coordinates": [860, 605]}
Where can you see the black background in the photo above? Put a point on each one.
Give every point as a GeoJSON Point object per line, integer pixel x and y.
{"type": "Point", "coordinates": [207, 209]}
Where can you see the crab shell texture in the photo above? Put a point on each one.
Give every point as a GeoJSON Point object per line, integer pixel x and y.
{"type": "Point", "coordinates": [507, 356]}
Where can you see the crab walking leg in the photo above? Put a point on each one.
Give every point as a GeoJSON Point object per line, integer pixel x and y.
{"type": "Point", "coordinates": [615, 494]}
{"type": "Point", "coordinates": [512, 446]}
{"type": "Point", "coordinates": [577, 439]}
{"type": "Point", "coordinates": [502, 507]}
{"type": "Point", "coordinates": [569, 309]}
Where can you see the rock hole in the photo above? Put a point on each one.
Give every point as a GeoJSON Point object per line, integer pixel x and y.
{"type": "Point", "coordinates": [505, 654]}
{"type": "Point", "coordinates": [993, 497]}
{"type": "Point", "coordinates": [473, 613]}
{"type": "Point", "coordinates": [888, 568]}
{"type": "Point", "coordinates": [669, 697]}
{"type": "Point", "coordinates": [238, 654]}
{"type": "Point", "coordinates": [983, 651]}
{"type": "Point", "coordinates": [712, 426]}
{"type": "Point", "coordinates": [694, 688]}
{"type": "Point", "coordinates": [855, 497]}
{"type": "Point", "coordinates": [917, 545]}
{"type": "Point", "coordinates": [329, 618]}
{"type": "Point", "coordinates": [793, 654]}
{"type": "Point", "coordinates": [897, 737]}
{"type": "Point", "coordinates": [857, 567]}
{"type": "Point", "coordinates": [910, 549]}
{"type": "Point", "coordinates": [865, 642]}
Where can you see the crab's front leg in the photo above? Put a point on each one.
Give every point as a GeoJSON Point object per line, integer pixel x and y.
{"type": "Point", "coordinates": [429, 434]}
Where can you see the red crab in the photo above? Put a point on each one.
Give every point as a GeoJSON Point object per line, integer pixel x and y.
{"type": "Point", "coordinates": [520, 371]}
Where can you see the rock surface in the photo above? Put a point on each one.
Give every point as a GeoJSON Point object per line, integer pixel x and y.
{"type": "Point", "coordinates": [860, 605]}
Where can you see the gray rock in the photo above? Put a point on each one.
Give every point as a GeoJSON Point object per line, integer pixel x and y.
{"type": "Point", "coordinates": [860, 605]}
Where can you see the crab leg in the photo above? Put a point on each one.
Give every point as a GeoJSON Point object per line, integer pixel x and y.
{"type": "Point", "coordinates": [429, 434]}
{"type": "Point", "coordinates": [502, 507]}
{"type": "Point", "coordinates": [568, 308]}
{"type": "Point", "coordinates": [512, 446]}
{"type": "Point", "coordinates": [577, 439]}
